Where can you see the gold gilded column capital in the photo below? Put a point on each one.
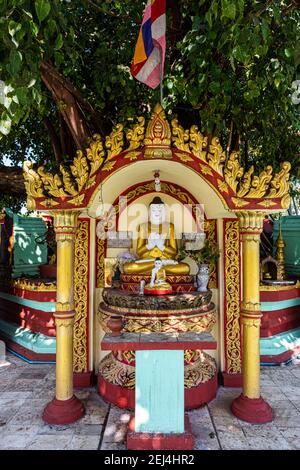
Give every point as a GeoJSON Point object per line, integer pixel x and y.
{"type": "Point", "coordinates": [251, 224]}
{"type": "Point", "coordinates": [252, 307]}
{"type": "Point", "coordinates": [65, 224]}
{"type": "Point", "coordinates": [64, 307]}
{"type": "Point", "coordinates": [64, 322]}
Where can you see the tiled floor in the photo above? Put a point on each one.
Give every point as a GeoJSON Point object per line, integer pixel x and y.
{"type": "Point", "coordinates": [25, 389]}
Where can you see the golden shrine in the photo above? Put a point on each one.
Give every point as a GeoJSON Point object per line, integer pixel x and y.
{"type": "Point", "coordinates": [93, 197]}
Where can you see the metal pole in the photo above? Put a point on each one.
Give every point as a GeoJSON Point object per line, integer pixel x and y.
{"type": "Point", "coordinates": [161, 77]}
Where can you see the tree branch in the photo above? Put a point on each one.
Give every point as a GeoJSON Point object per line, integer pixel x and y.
{"type": "Point", "coordinates": [54, 139]}
{"type": "Point", "coordinates": [11, 180]}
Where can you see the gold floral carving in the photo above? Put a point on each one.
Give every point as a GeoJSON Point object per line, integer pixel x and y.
{"type": "Point", "coordinates": [239, 202]}
{"type": "Point", "coordinates": [76, 201]}
{"type": "Point", "coordinates": [132, 155]}
{"type": "Point", "coordinates": [233, 171]}
{"type": "Point", "coordinates": [118, 373]}
{"type": "Point", "coordinates": [100, 262]}
{"type": "Point", "coordinates": [206, 170]}
{"type": "Point", "coordinates": [81, 282]}
{"type": "Point", "coordinates": [222, 186]}
{"type": "Point", "coordinates": [115, 141]}
{"type": "Point", "coordinates": [160, 321]}
{"type": "Point", "coordinates": [280, 182]}
{"type": "Point", "coordinates": [232, 297]}
{"type": "Point", "coordinates": [157, 140]}
{"type": "Point", "coordinates": [210, 229]}
{"type": "Point", "coordinates": [29, 285]}
{"type": "Point", "coordinates": [67, 182]}
{"type": "Point", "coordinates": [267, 203]}
{"type": "Point", "coordinates": [180, 137]}
{"type": "Point", "coordinates": [48, 203]}
{"type": "Point", "coordinates": [135, 136]}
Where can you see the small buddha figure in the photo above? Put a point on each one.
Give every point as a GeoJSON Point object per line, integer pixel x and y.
{"type": "Point", "coordinates": [158, 283]}
{"type": "Point", "coordinates": [156, 239]}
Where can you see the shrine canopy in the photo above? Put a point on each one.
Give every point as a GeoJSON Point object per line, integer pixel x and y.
{"type": "Point", "coordinates": [74, 187]}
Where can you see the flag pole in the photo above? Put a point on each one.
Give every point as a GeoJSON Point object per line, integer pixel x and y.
{"type": "Point", "coordinates": [161, 78]}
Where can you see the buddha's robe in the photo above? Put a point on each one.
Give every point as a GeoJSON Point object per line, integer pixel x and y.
{"type": "Point", "coordinates": [146, 257]}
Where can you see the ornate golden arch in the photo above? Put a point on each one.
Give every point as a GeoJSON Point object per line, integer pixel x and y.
{"type": "Point", "coordinates": [75, 186]}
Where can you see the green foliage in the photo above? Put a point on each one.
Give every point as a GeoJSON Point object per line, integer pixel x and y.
{"type": "Point", "coordinates": [209, 254]}
{"type": "Point", "coordinates": [230, 66]}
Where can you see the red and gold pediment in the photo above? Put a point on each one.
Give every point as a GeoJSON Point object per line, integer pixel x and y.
{"type": "Point", "coordinates": [72, 187]}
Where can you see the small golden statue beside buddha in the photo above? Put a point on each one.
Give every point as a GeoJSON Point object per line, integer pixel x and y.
{"type": "Point", "coordinates": [156, 239]}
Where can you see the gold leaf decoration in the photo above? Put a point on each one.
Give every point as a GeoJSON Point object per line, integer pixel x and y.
{"type": "Point", "coordinates": [95, 153]}
{"type": "Point", "coordinates": [108, 166]}
{"type": "Point", "coordinates": [68, 184]}
{"type": "Point", "coordinates": [77, 201]}
{"type": "Point", "coordinates": [198, 143]}
{"type": "Point", "coordinates": [49, 203]}
{"type": "Point", "coordinates": [216, 156]}
{"type": "Point", "coordinates": [52, 183]}
{"type": "Point", "coordinates": [115, 141]}
{"type": "Point", "coordinates": [80, 169]}
{"type": "Point", "coordinates": [223, 186]}
{"type": "Point", "coordinates": [233, 170]}
{"type": "Point", "coordinates": [239, 202]}
{"type": "Point", "coordinates": [286, 201]}
{"type": "Point", "coordinates": [260, 183]}
{"type": "Point", "coordinates": [157, 140]}
{"type": "Point", "coordinates": [132, 155]}
{"type": "Point", "coordinates": [184, 157]}
{"type": "Point", "coordinates": [33, 184]}
{"type": "Point", "coordinates": [91, 182]}
{"type": "Point", "coordinates": [267, 203]}
{"type": "Point", "coordinates": [206, 170]}
{"type": "Point", "coordinates": [135, 136]}
{"type": "Point", "coordinates": [245, 182]}
{"type": "Point", "coordinates": [180, 137]}
{"type": "Point", "coordinates": [280, 182]}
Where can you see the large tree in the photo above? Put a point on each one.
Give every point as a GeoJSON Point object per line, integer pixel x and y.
{"type": "Point", "coordinates": [65, 74]}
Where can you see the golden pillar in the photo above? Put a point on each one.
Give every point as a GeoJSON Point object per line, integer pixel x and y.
{"type": "Point", "coordinates": [250, 406]}
{"type": "Point", "coordinates": [65, 408]}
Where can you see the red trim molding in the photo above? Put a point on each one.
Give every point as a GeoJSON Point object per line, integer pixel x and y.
{"type": "Point", "coordinates": [160, 441]}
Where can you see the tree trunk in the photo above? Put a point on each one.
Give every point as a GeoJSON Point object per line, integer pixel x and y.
{"type": "Point", "coordinates": [12, 181]}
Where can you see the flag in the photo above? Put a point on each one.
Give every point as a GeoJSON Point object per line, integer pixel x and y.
{"type": "Point", "coordinates": [149, 54]}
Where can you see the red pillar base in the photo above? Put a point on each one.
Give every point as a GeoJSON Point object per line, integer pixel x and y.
{"type": "Point", "coordinates": [63, 411]}
{"type": "Point", "coordinates": [159, 441]}
{"type": "Point", "coordinates": [252, 410]}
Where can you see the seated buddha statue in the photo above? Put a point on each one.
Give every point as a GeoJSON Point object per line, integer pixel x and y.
{"type": "Point", "coordinates": [158, 283]}
{"type": "Point", "coordinates": [156, 239]}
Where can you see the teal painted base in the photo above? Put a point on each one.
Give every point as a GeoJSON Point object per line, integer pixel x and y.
{"type": "Point", "coordinates": [43, 306]}
{"type": "Point", "coordinates": [35, 342]}
{"type": "Point", "coordinates": [279, 344]}
{"type": "Point", "coordinates": [159, 392]}
{"type": "Point", "coordinates": [279, 305]}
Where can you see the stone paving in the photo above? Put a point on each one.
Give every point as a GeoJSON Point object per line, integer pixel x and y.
{"type": "Point", "coordinates": [25, 389]}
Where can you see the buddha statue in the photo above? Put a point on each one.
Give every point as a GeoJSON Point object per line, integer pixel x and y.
{"type": "Point", "coordinates": [158, 283]}
{"type": "Point", "coordinates": [156, 239]}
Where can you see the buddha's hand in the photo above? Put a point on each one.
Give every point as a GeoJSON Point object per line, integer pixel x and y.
{"type": "Point", "coordinates": [160, 245]}
{"type": "Point", "coordinates": [153, 239]}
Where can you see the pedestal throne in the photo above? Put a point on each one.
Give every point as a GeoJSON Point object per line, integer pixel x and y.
{"type": "Point", "coordinates": [171, 305]}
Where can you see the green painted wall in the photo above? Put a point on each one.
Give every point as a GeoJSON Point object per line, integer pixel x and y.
{"type": "Point", "coordinates": [291, 234]}
{"type": "Point", "coordinates": [28, 252]}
